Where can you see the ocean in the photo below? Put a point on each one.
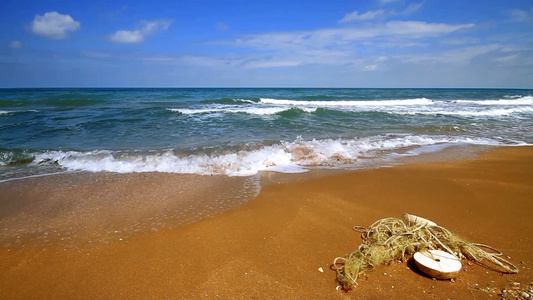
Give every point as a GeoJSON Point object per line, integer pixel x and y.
{"type": "Point", "coordinates": [242, 131]}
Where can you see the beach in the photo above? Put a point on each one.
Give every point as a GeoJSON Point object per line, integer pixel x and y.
{"type": "Point", "coordinates": [268, 246]}
{"type": "Point", "coordinates": [266, 150]}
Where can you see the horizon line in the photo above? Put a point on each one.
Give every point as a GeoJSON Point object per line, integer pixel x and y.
{"type": "Point", "coordinates": [253, 87]}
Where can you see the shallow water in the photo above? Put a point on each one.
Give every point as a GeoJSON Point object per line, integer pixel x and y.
{"type": "Point", "coordinates": [74, 210]}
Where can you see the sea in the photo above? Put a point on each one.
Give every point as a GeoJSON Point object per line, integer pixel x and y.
{"type": "Point", "coordinates": [246, 131]}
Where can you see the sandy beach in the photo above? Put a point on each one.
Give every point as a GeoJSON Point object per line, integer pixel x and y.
{"type": "Point", "coordinates": [165, 236]}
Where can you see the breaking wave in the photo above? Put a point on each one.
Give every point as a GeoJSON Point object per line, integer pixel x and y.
{"type": "Point", "coordinates": [244, 110]}
{"type": "Point", "coordinates": [419, 101]}
{"type": "Point", "coordinates": [268, 106]}
{"type": "Point", "coordinates": [288, 157]}
{"type": "Point", "coordinates": [527, 100]}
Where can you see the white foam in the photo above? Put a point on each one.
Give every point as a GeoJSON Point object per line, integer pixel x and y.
{"type": "Point", "coordinates": [187, 111]}
{"type": "Point", "coordinates": [527, 100]}
{"type": "Point", "coordinates": [473, 112]}
{"type": "Point", "coordinates": [429, 149]}
{"type": "Point", "coordinates": [34, 176]}
{"type": "Point", "coordinates": [287, 169]}
{"type": "Point", "coordinates": [6, 112]}
{"type": "Point", "coordinates": [287, 157]}
{"type": "Point", "coordinates": [246, 100]}
{"type": "Point", "coordinates": [417, 101]}
{"type": "Point", "coordinates": [246, 110]}
{"type": "Point", "coordinates": [480, 108]}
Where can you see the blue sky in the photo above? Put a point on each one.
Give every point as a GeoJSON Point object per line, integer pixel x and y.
{"type": "Point", "coordinates": [321, 43]}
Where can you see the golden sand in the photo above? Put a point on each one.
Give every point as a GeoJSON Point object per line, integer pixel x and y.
{"type": "Point", "coordinates": [269, 248]}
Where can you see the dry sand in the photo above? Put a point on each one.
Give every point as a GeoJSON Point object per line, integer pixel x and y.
{"type": "Point", "coordinates": [268, 248]}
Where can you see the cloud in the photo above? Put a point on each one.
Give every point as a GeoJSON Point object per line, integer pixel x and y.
{"type": "Point", "coordinates": [413, 7]}
{"type": "Point", "coordinates": [417, 29]}
{"type": "Point", "coordinates": [127, 36]}
{"type": "Point", "coordinates": [369, 15]}
{"type": "Point", "coordinates": [397, 32]}
{"type": "Point", "coordinates": [15, 45]}
{"type": "Point", "coordinates": [187, 60]}
{"type": "Point", "coordinates": [518, 15]}
{"type": "Point", "coordinates": [380, 13]}
{"type": "Point", "coordinates": [361, 47]}
{"type": "Point", "coordinates": [269, 63]}
{"type": "Point", "coordinates": [506, 59]}
{"type": "Point", "coordinates": [461, 41]}
{"type": "Point", "coordinates": [347, 46]}
{"type": "Point", "coordinates": [246, 61]}
{"type": "Point", "coordinates": [139, 35]}
{"type": "Point", "coordinates": [54, 25]}
{"type": "Point", "coordinates": [370, 68]}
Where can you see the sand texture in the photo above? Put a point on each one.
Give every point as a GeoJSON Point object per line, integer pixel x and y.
{"type": "Point", "coordinates": [268, 248]}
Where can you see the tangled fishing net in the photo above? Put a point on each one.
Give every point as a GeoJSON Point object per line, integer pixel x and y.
{"type": "Point", "coordinates": [393, 239]}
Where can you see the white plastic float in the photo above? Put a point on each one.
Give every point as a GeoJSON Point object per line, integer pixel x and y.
{"type": "Point", "coordinates": [438, 264]}
{"type": "Point", "coordinates": [412, 219]}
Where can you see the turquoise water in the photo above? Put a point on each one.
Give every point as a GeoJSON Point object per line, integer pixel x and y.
{"type": "Point", "coordinates": [243, 131]}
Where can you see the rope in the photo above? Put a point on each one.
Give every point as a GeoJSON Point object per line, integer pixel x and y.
{"type": "Point", "coordinates": [390, 239]}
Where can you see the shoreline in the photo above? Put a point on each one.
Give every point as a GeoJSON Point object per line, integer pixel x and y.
{"type": "Point", "coordinates": [273, 245]}
{"type": "Point", "coordinates": [59, 208]}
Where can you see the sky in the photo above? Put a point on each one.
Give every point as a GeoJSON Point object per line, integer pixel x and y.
{"type": "Point", "coordinates": [277, 43]}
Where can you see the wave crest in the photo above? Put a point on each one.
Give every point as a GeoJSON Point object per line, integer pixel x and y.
{"type": "Point", "coordinates": [10, 112]}
{"type": "Point", "coordinates": [244, 110]}
{"type": "Point", "coordinates": [416, 101]}
{"type": "Point", "coordinates": [518, 100]}
{"type": "Point", "coordinates": [287, 157]}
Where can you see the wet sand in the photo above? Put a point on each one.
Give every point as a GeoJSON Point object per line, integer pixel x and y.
{"type": "Point", "coordinates": [268, 248]}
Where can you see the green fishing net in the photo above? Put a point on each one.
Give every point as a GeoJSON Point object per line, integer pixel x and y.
{"type": "Point", "coordinates": [394, 239]}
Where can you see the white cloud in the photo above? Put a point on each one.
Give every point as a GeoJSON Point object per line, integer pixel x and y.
{"type": "Point", "coordinates": [15, 45]}
{"type": "Point", "coordinates": [370, 68]}
{"type": "Point", "coordinates": [249, 61]}
{"type": "Point", "coordinates": [54, 25]}
{"type": "Point", "coordinates": [346, 46]}
{"type": "Point", "coordinates": [417, 29]}
{"type": "Point", "coordinates": [506, 59]}
{"type": "Point", "coordinates": [127, 36]}
{"type": "Point", "coordinates": [193, 60]}
{"type": "Point", "coordinates": [518, 15]}
{"type": "Point", "coordinates": [271, 63]}
{"type": "Point", "coordinates": [412, 8]}
{"type": "Point", "coordinates": [461, 41]}
{"type": "Point", "coordinates": [397, 32]}
{"type": "Point", "coordinates": [369, 15]}
{"type": "Point", "coordinates": [380, 13]}
{"type": "Point", "coordinates": [139, 35]}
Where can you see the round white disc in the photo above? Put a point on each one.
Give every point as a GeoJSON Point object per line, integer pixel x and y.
{"type": "Point", "coordinates": [438, 264]}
